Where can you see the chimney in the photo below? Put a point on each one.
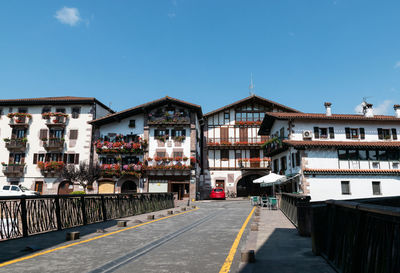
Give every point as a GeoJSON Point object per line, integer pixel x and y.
{"type": "Point", "coordinates": [328, 108]}
{"type": "Point", "coordinates": [396, 108]}
{"type": "Point", "coordinates": [369, 112]}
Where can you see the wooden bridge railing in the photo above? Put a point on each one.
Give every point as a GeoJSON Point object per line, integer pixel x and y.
{"type": "Point", "coordinates": [358, 236]}
{"type": "Point", "coordinates": [29, 215]}
{"type": "Point", "coordinates": [296, 207]}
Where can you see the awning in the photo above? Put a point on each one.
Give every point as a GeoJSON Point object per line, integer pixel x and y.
{"type": "Point", "coordinates": [270, 179]}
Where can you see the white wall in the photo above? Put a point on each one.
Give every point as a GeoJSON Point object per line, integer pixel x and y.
{"type": "Point", "coordinates": [324, 187]}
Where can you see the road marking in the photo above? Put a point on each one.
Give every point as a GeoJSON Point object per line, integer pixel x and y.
{"type": "Point", "coordinates": [88, 240]}
{"type": "Point", "coordinates": [228, 262]}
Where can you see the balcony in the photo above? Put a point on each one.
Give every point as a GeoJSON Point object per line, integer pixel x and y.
{"type": "Point", "coordinates": [275, 146]}
{"type": "Point", "coordinates": [55, 119]}
{"type": "Point", "coordinates": [170, 166]}
{"type": "Point", "coordinates": [19, 119]}
{"type": "Point", "coordinates": [221, 143]}
{"type": "Point", "coordinates": [14, 170]}
{"type": "Point", "coordinates": [50, 169]}
{"type": "Point", "coordinates": [118, 170]}
{"type": "Point", "coordinates": [254, 163]}
{"type": "Point", "coordinates": [53, 144]}
{"type": "Point", "coordinates": [120, 147]}
{"type": "Point", "coordinates": [16, 145]}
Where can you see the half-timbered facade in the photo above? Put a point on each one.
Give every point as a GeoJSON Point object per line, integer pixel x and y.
{"type": "Point", "coordinates": [335, 156]}
{"type": "Point", "coordinates": [154, 147]}
{"type": "Point", "coordinates": [40, 135]}
{"type": "Point", "coordinates": [233, 147]}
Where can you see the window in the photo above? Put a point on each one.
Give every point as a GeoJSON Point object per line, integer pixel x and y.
{"type": "Point", "coordinates": [56, 133]}
{"type": "Point", "coordinates": [376, 188]}
{"type": "Point", "coordinates": [17, 158]}
{"type": "Point", "coordinates": [354, 133]}
{"type": "Point", "coordinates": [132, 123]}
{"type": "Point", "coordinates": [224, 155]}
{"type": "Point", "coordinates": [382, 155]}
{"type": "Point", "coordinates": [73, 134]}
{"type": "Point", "coordinates": [342, 155]}
{"type": "Point", "coordinates": [41, 157]}
{"type": "Point", "coordinates": [226, 115]}
{"type": "Point", "coordinates": [70, 159]}
{"type": "Point", "coordinates": [276, 166]}
{"type": "Point", "coordinates": [20, 133]}
{"type": "Point", "coordinates": [60, 110]}
{"type": "Point", "coordinates": [178, 132]}
{"type": "Point", "coordinates": [283, 163]}
{"type": "Point", "coordinates": [387, 133]}
{"type": "Point", "coordinates": [363, 154]}
{"type": "Point", "coordinates": [161, 154]}
{"type": "Point", "coordinates": [75, 112]}
{"type": "Point", "coordinates": [46, 109]}
{"type": "Point", "coordinates": [323, 132]}
{"type": "Point", "coordinates": [298, 158]}
{"type": "Point", "coordinates": [353, 154]}
{"type": "Point", "coordinates": [22, 110]}
{"type": "Point", "coordinates": [345, 187]}
{"type": "Point", "coordinates": [177, 154]}
{"type": "Point", "coordinates": [163, 132]}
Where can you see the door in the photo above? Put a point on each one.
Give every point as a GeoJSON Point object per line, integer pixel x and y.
{"type": "Point", "coordinates": [39, 187]}
{"type": "Point", "coordinates": [224, 134]}
{"type": "Point", "coordinates": [106, 187]}
{"type": "Point", "coordinates": [178, 188]}
{"type": "Point", "coordinates": [65, 187]}
{"type": "Point", "coordinates": [220, 184]}
{"type": "Point", "coordinates": [254, 156]}
{"type": "Point", "coordinates": [243, 134]}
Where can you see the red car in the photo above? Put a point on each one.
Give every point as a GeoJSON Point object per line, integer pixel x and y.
{"type": "Point", "coordinates": [217, 193]}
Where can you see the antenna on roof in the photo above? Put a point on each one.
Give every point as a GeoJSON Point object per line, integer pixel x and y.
{"type": "Point", "coordinates": [251, 86]}
{"type": "Point", "coordinates": [364, 104]}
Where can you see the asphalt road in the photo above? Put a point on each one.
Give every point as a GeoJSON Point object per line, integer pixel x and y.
{"type": "Point", "coordinates": [197, 241]}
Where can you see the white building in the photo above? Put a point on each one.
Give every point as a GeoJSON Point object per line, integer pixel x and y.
{"type": "Point", "coordinates": [234, 157]}
{"type": "Point", "coordinates": [168, 135]}
{"type": "Point", "coordinates": [39, 135]}
{"type": "Point", "coordinates": [335, 156]}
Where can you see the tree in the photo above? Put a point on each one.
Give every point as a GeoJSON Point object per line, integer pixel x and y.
{"type": "Point", "coordinates": [84, 174]}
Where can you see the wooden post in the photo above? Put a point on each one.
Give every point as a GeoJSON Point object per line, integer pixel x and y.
{"type": "Point", "coordinates": [83, 207]}
{"type": "Point", "coordinates": [103, 208]}
{"type": "Point", "coordinates": [58, 213]}
{"type": "Point", "coordinates": [24, 217]}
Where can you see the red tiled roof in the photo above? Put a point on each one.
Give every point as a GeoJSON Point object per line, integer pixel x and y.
{"type": "Point", "coordinates": [343, 144]}
{"type": "Point", "coordinates": [351, 171]}
{"type": "Point", "coordinates": [140, 108]}
{"type": "Point", "coordinates": [53, 100]}
{"type": "Point", "coordinates": [283, 107]}
{"type": "Point", "coordinates": [283, 115]}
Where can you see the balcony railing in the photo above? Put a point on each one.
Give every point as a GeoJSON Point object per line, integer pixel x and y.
{"type": "Point", "coordinates": [120, 147]}
{"type": "Point", "coordinates": [54, 144]}
{"type": "Point", "coordinates": [274, 146]}
{"type": "Point", "coordinates": [118, 170]}
{"type": "Point", "coordinates": [56, 121]}
{"type": "Point", "coordinates": [233, 141]}
{"type": "Point", "coordinates": [14, 170]}
{"type": "Point", "coordinates": [18, 144]}
{"type": "Point", "coordinates": [254, 163]}
{"type": "Point", "coordinates": [51, 168]}
{"type": "Point", "coordinates": [168, 119]}
{"type": "Point", "coordinates": [19, 119]}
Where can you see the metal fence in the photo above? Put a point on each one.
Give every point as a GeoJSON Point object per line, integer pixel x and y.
{"type": "Point", "coordinates": [354, 236]}
{"type": "Point", "coordinates": [296, 207]}
{"type": "Point", "coordinates": [29, 215]}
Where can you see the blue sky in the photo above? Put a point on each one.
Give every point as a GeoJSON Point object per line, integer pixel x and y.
{"type": "Point", "coordinates": [301, 53]}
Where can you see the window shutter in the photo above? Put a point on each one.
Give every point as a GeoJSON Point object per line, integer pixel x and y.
{"type": "Point", "coordinates": [35, 158]}
{"type": "Point", "coordinates": [380, 133]}
{"type": "Point", "coordinates": [331, 132]}
{"type": "Point", "coordinates": [184, 132]}
{"type": "Point", "coordinates": [13, 133]}
{"type": "Point", "coordinates": [347, 130]}
{"type": "Point", "coordinates": [362, 133]}
{"type": "Point", "coordinates": [22, 158]}
{"type": "Point", "coordinates": [65, 158]}
{"type": "Point", "coordinates": [43, 133]}
{"type": "Point", "coordinates": [73, 134]}
{"type": "Point", "coordinates": [76, 158]}
{"type": "Point", "coordinates": [173, 132]}
{"type": "Point", "coordinates": [394, 133]}
{"type": "Point", "coordinates": [47, 158]}
{"type": "Point", "coordinates": [316, 132]}
{"type": "Point", "coordinates": [156, 132]}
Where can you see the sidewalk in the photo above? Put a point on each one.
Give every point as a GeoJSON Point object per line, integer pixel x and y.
{"type": "Point", "coordinates": [279, 248]}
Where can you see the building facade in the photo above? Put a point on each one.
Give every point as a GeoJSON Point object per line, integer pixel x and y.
{"type": "Point", "coordinates": [40, 135]}
{"type": "Point", "coordinates": [154, 147]}
{"type": "Point", "coordinates": [332, 156]}
{"type": "Point", "coordinates": [234, 157]}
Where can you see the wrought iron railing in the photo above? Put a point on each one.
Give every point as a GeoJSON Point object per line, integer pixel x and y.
{"type": "Point", "coordinates": [54, 144]}
{"type": "Point", "coordinates": [16, 144]}
{"type": "Point", "coordinates": [14, 170]}
{"type": "Point", "coordinates": [28, 215]}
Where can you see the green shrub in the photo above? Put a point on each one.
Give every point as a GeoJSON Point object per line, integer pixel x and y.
{"type": "Point", "coordinates": [78, 192]}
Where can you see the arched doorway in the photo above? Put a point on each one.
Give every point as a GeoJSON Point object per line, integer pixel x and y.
{"type": "Point", "coordinates": [129, 186]}
{"type": "Point", "coordinates": [65, 187]}
{"type": "Point", "coordinates": [246, 187]}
